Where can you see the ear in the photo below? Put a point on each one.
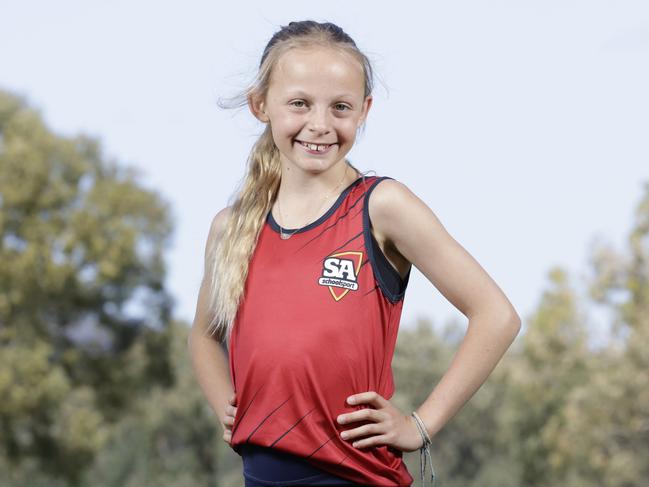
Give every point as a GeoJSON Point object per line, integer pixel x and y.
{"type": "Point", "coordinates": [257, 106]}
{"type": "Point", "coordinates": [367, 104]}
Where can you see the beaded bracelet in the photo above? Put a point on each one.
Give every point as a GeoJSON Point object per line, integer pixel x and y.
{"type": "Point", "coordinates": [425, 449]}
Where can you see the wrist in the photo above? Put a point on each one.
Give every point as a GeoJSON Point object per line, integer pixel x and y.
{"type": "Point", "coordinates": [416, 435]}
{"type": "Point", "coordinates": [430, 420]}
{"type": "Point", "coordinates": [421, 427]}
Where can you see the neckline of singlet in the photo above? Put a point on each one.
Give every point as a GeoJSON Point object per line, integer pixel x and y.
{"type": "Point", "coordinates": [270, 219]}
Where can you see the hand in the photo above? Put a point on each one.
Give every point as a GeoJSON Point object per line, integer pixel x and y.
{"type": "Point", "coordinates": [390, 426]}
{"type": "Point", "coordinates": [230, 413]}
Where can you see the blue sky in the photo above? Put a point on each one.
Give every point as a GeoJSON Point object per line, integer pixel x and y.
{"type": "Point", "coordinates": [523, 125]}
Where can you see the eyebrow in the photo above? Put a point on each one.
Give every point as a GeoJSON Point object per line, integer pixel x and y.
{"type": "Point", "coordinates": [304, 94]}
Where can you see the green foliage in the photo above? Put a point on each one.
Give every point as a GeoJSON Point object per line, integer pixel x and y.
{"type": "Point", "coordinates": [465, 450]}
{"type": "Point", "coordinates": [81, 246]}
{"type": "Point", "coordinates": [96, 382]}
{"type": "Point", "coordinates": [169, 437]}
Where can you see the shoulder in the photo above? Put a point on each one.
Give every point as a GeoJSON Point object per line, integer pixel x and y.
{"type": "Point", "coordinates": [395, 211]}
{"type": "Point", "coordinates": [218, 225]}
{"type": "Point", "coordinates": [388, 200]}
{"type": "Point", "coordinates": [387, 189]}
{"type": "Point", "coordinates": [219, 220]}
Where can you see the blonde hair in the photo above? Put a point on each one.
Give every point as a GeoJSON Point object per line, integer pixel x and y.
{"type": "Point", "coordinates": [228, 259]}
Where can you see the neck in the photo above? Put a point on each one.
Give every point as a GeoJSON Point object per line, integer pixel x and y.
{"type": "Point", "coordinates": [307, 189]}
{"type": "Point", "coordinates": [305, 196]}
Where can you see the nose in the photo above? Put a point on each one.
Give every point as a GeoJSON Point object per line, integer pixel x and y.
{"type": "Point", "coordinates": [318, 121]}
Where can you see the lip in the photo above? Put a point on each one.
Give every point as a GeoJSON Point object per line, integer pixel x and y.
{"type": "Point", "coordinates": [315, 143]}
{"type": "Point", "coordinates": [315, 152]}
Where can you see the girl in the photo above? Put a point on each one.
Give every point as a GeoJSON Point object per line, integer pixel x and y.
{"type": "Point", "coordinates": [305, 275]}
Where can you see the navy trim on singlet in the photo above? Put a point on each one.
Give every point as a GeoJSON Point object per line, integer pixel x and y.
{"type": "Point", "coordinates": [389, 279]}
{"type": "Point", "coordinates": [267, 466]}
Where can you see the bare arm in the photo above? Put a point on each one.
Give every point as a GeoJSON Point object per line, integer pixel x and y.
{"type": "Point", "coordinates": [416, 233]}
{"type": "Point", "coordinates": [209, 358]}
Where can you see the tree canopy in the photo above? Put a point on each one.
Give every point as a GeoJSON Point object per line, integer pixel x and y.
{"type": "Point", "coordinates": [96, 383]}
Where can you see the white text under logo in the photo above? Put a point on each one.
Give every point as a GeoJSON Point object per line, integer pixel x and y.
{"type": "Point", "coordinates": [341, 271]}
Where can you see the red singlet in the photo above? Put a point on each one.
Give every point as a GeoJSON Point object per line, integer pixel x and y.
{"type": "Point", "coordinates": [318, 323]}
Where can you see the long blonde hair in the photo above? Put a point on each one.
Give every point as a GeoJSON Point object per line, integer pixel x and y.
{"type": "Point", "coordinates": [229, 258]}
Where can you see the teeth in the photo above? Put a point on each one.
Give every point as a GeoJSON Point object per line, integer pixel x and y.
{"type": "Point", "coordinates": [319, 148]}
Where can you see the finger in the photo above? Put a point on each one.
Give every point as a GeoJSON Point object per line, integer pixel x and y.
{"type": "Point", "coordinates": [361, 415]}
{"type": "Point", "coordinates": [228, 420]}
{"type": "Point", "coordinates": [369, 397]}
{"type": "Point", "coordinates": [372, 441]}
{"type": "Point", "coordinates": [368, 429]}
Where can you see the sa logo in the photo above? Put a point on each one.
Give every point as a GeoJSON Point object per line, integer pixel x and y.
{"type": "Point", "coordinates": [340, 272]}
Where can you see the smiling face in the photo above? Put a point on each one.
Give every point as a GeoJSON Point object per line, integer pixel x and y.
{"type": "Point", "coordinates": [315, 96]}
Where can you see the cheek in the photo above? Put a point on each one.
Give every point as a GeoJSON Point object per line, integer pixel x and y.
{"type": "Point", "coordinates": [289, 126]}
{"type": "Point", "coordinates": [348, 130]}
{"type": "Point", "coordinates": [282, 129]}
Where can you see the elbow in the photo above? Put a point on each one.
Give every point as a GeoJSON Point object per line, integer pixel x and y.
{"type": "Point", "coordinates": [505, 318]}
{"type": "Point", "coordinates": [513, 322]}
{"type": "Point", "coordinates": [507, 322]}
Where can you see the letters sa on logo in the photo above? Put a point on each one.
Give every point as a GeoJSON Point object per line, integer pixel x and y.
{"type": "Point", "coordinates": [340, 272]}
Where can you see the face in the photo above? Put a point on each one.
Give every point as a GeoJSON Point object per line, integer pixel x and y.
{"type": "Point", "coordinates": [315, 96]}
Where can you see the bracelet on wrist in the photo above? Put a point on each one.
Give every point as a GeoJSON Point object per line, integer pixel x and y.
{"type": "Point", "coordinates": [424, 451]}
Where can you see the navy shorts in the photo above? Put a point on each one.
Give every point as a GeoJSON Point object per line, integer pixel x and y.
{"type": "Point", "coordinates": [264, 466]}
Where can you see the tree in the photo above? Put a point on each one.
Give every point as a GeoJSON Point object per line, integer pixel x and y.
{"type": "Point", "coordinates": [605, 440]}
{"type": "Point", "coordinates": [170, 438]}
{"type": "Point", "coordinates": [472, 449]}
{"type": "Point", "coordinates": [552, 362]}
{"type": "Point", "coordinates": [82, 296]}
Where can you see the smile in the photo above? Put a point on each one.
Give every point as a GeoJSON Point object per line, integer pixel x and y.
{"type": "Point", "coordinates": [315, 148]}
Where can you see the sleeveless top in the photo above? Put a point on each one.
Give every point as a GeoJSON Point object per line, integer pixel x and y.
{"type": "Point", "coordinates": [318, 322]}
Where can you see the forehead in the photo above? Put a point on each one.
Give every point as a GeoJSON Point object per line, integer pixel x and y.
{"type": "Point", "coordinates": [321, 69]}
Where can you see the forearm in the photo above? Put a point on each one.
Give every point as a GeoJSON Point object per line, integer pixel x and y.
{"type": "Point", "coordinates": [484, 344]}
{"type": "Point", "coordinates": [210, 363]}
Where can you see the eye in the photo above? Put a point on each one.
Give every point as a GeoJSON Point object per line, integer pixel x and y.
{"type": "Point", "coordinates": [342, 105]}
{"type": "Point", "coordinates": [296, 101]}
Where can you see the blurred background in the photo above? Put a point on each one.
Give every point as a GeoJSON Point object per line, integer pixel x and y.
{"type": "Point", "coordinates": [524, 127]}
